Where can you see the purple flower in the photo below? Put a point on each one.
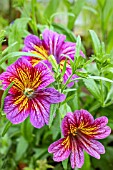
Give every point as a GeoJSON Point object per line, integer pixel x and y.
{"type": "Point", "coordinates": [80, 132]}
{"type": "Point", "coordinates": [29, 95]}
{"type": "Point", "coordinates": [51, 44]}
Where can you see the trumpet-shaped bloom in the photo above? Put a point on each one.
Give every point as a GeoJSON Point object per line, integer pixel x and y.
{"type": "Point", "coordinates": [29, 95]}
{"type": "Point", "coordinates": [80, 132]}
{"type": "Point", "coordinates": [51, 44]}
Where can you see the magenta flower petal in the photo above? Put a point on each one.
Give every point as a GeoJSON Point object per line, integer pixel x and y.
{"type": "Point", "coordinates": [14, 73]}
{"type": "Point", "coordinates": [83, 117]}
{"type": "Point", "coordinates": [60, 149]}
{"type": "Point", "coordinates": [40, 109]}
{"type": "Point", "coordinates": [77, 155]}
{"type": "Point", "coordinates": [30, 41]}
{"type": "Point", "coordinates": [101, 121]}
{"type": "Point", "coordinates": [53, 42]}
{"type": "Point", "coordinates": [45, 75]}
{"type": "Point", "coordinates": [16, 113]}
{"type": "Point", "coordinates": [66, 122]}
{"type": "Point", "coordinates": [92, 147]}
{"type": "Point", "coordinates": [98, 130]}
{"type": "Point", "coordinates": [39, 115]}
{"type": "Point", "coordinates": [51, 95]}
{"type": "Point", "coordinates": [4, 78]}
{"type": "Point", "coordinates": [34, 45]}
{"type": "Point", "coordinates": [67, 50]}
{"type": "Point", "coordinates": [102, 133]}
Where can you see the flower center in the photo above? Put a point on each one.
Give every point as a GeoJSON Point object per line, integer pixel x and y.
{"type": "Point", "coordinates": [73, 130]}
{"type": "Point", "coordinates": [28, 92]}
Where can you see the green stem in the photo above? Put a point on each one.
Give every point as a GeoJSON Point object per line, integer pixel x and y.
{"type": "Point", "coordinates": [108, 104]}
{"type": "Point", "coordinates": [102, 97]}
{"type": "Point", "coordinates": [102, 90]}
{"type": "Point", "coordinates": [66, 83]}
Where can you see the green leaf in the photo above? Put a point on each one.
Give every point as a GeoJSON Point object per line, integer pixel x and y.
{"type": "Point", "coordinates": [52, 60]}
{"type": "Point", "coordinates": [3, 66]}
{"type": "Point", "coordinates": [9, 47]}
{"type": "Point", "coordinates": [110, 124]}
{"type": "Point", "coordinates": [109, 94]}
{"type": "Point", "coordinates": [101, 78]}
{"type": "Point", "coordinates": [39, 152]}
{"type": "Point", "coordinates": [89, 8]}
{"type": "Point", "coordinates": [2, 35]}
{"type": "Point", "coordinates": [27, 130]}
{"type": "Point", "coordinates": [87, 163]}
{"type": "Point", "coordinates": [110, 41]}
{"type": "Point", "coordinates": [21, 148]}
{"type": "Point", "coordinates": [74, 103]}
{"type": "Point", "coordinates": [81, 74]}
{"type": "Point", "coordinates": [72, 65]}
{"type": "Point", "coordinates": [68, 90]}
{"type": "Point", "coordinates": [75, 9]}
{"type": "Point", "coordinates": [78, 46]}
{"type": "Point", "coordinates": [5, 94]}
{"type": "Point", "coordinates": [51, 8]}
{"type": "Point", "coordinates": [77, 54]}
{"type": "Point", "coordinates": [95, 106]}
{"type": "Point", "coordinates": [55, 128]}
{"type": "Point", "coordinates": [53, 109]}
{"type": "Point", "coordinates": [101, 2]}
{"type": "Point", "coordinates": [92, 87]}
{"type": "Point", "coordinates": [16, 32]}
{"type": "Point", "coordinates": [106, 161]}
{"type": "Point", "coordinates": [96, 42]}
{"type": "Point", "coordinates": [64, 109]}
{"type": "Point", "coordinates": [65, 163]}
{"type": "Point", "coordinates": [17, 54]}
{"type": "Point", "coordinates": [6, 128]}
{"type": "Point", "coordinates": [62, 30]}
{"type": "Point", "coordinates": [68, 98]}
{"type": "Point", "coordinates": [107, 13]}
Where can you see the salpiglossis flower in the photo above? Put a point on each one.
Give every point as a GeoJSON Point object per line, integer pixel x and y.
{"type": "Point", "coordinates": [80, 132]}
{"type": "Point", "coordinates": [29, 95]}
{"type": "Point", "coordinates": [51, 44]}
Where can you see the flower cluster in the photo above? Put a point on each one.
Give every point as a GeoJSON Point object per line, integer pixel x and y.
{"type": "Point", "coordinates": [31, 96]}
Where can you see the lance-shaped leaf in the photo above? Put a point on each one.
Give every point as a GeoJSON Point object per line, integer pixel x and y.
{"type": "Point", "coordinates": [5, 94]}
{"type": "Point", "coordinates": [93, 88]}
{"type": "Point", "coordinates": [96, 41]}
{"type": "Point", "coordinates": [6, 128]}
